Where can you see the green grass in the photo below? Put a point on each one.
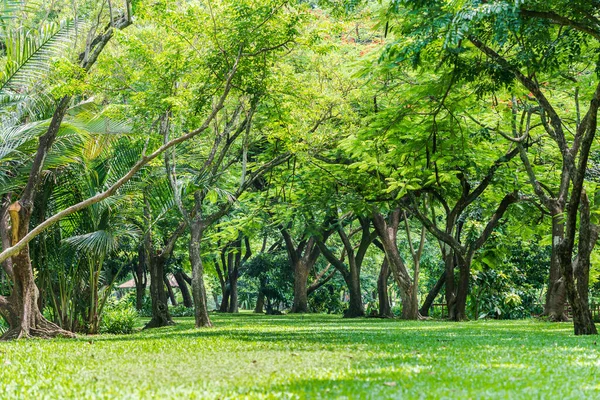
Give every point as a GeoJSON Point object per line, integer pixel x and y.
{"type": "Point", "coordinates": [313, 356]}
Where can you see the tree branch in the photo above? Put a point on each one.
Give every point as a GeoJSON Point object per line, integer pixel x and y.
{"type": "Point", "coordinates": [112, 189]}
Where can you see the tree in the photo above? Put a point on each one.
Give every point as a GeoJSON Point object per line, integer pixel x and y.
{"type": "Point", "coordinates": [20, 309]}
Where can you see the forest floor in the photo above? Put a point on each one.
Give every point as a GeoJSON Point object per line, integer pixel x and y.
{"type": "Point", "coordinates": [311, 356]}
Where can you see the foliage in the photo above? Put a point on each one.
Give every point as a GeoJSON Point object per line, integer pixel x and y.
{"type": "Point", "coordinates": [119, 317]}
{"type": "Point", "coordinates": [181, 311]}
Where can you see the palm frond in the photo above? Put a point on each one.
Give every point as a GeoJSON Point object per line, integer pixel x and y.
{"type": "Point", "coordinates": [29, 53]}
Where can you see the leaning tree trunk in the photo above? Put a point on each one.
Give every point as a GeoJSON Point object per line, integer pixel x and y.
{"type": "Point", "coordinates": [198, 288]}
{"type": "Point", "coordinates": [433, 293]}
{"type": "Point", "coordinates": [170, 291]}
{"type": "Point", "coordinates": [385, 308]}
{"type": "Point", "coordinates": [185, 292]}
{"type": "Point", "coordinates": [300, 304]}
{"type": "Point", "coordinates": [388, 234]}
{"type": "Point", "coordinates": [160, 308]}
{"type": "Point", "coordinates": [554, 309]}
{"type": "Point", "coordinates": [21, 309]}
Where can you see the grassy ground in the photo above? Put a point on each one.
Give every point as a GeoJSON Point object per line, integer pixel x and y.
{"type": "Point", "coordinates": [314, 356]}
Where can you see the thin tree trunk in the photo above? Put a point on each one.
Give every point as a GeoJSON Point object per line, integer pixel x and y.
{"type": "Point", "coordinates": [233, 260]}
{"type": "Point", "coordinates": [388, 234]}
{"type": "Point", "coordinates": [170, 291]}
{"type": "Point", "coordinates": [185, 291]}
{"type": "Point", "coordinates": [385, 308]}
{"type": "Point", "coordinates": [556, 294]}
{"type": "Point", "coordinates": [141, 279]}
{"type": "Point", "coordinates": [5, 236]}
{"type": "Point", "coordinates": [233, 292]}
{"type": "Point", "coordinates": [198, 288]}
{"type": "Point", "coordinates": [433, 293]}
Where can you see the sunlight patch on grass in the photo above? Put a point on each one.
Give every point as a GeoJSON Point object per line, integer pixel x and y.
{"type": "Point", "coordinates": [310, 356]}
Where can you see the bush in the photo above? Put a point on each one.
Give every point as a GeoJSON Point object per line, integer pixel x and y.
{"type": "Point", "coordinates": [181, 311]}
{"type": "Point", "coordinates": [119, 317]}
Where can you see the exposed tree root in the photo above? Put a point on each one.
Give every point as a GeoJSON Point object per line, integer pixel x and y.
{"type": "Point", "coordinates": [44, 330]}
{"type": "Point", "coordinates": [158, 323]}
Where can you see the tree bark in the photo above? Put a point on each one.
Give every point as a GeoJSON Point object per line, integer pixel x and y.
{"type": "Point", "coordinates": [5, 236]}
{"type": "Point", "coordinates": [433, 293]}
{"type": "Point", "coordinates": [300, 304]}
{"type": "Point", "coordinates": [388, 233]}
{"type": "Point", "coordinates": [303, 258]}
{"type": "Point", "coordinates": [21, 309]}
{"type": "Point", "coordinates": [234, 272]}
{"type": "Point", "coordinates": [170, 291]}
{"type": "Point", "coordinates": [556, 295]}
{"type": "Point", "coordinates": [141, 278]}
{"type": "Point", "coordinates": [224, 299]}
{"type": "Point", "coordinates": [576, 273]}
{"type": "Point", "coordinates": [185, 291]}
{"type": "Point", "coordinates": [460, 304]}
{"type": "Point", "coordinates": [158, 294]}
{"type": "Point", "coordinates": [260, 302]}
{"type": "Point", "coordinates": [355, 305]}
{"type": "Point", "coordinates": [385, 308]}
{"type": "Point", "coordinates": [198, 288]}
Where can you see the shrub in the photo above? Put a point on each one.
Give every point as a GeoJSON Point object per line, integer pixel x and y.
{"type": "Point", "coordinates": [181, 311]}
{"type": "Point", "coordinates": [119, 317]}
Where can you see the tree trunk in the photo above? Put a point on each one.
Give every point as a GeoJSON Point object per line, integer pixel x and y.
{"type": "Point", "coordinates": [21, 309]}
{"type": "Point", "coordinates": [158, 294]}
{"type": "Point", "coordinates": [556, 294]}
{"type": "Point", "coordinates": [198, 288]}
{"type": "Point", "coordinates": [450, 263]}
{"type": "Point", "coordinates": [460, 305]}
{"type": "Point", "coordinates": [260, 302]}
{"type": "Point", "coordinates": [576, 273]}
{"type": "Point", "coordinates": [224, 299]}
{"type": "Point", "coordinates": [141, 279]}
{"type": "Point", "coordinates": [433, 293]}
{"type": "Point", "coordinates": [385, 308]}
{"type": "Point", "coordinates": [170, 291]}
{"type": "Point", "coordinates": [388, 234]}
{"type": "Point", "coordinates": [355, 305]}
{"type": "Point", "coordinates": [185, 292]}
{"type": "Point", "coordinates": [6, 269]}
{"type": "Point", "coordinates": [300, 304]}
{"type": "Point", "coordinates": [233, 291]}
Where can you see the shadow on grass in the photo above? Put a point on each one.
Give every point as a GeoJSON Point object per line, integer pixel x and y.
{"type": "Point", "coordinates": [330, 332]}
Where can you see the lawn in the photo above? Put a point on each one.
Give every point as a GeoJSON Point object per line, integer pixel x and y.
{"type": "Point", "coordinates": [312, 356]}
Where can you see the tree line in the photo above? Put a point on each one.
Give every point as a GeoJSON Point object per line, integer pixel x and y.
{"type": "Point", "coordinates": [301, 149]}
